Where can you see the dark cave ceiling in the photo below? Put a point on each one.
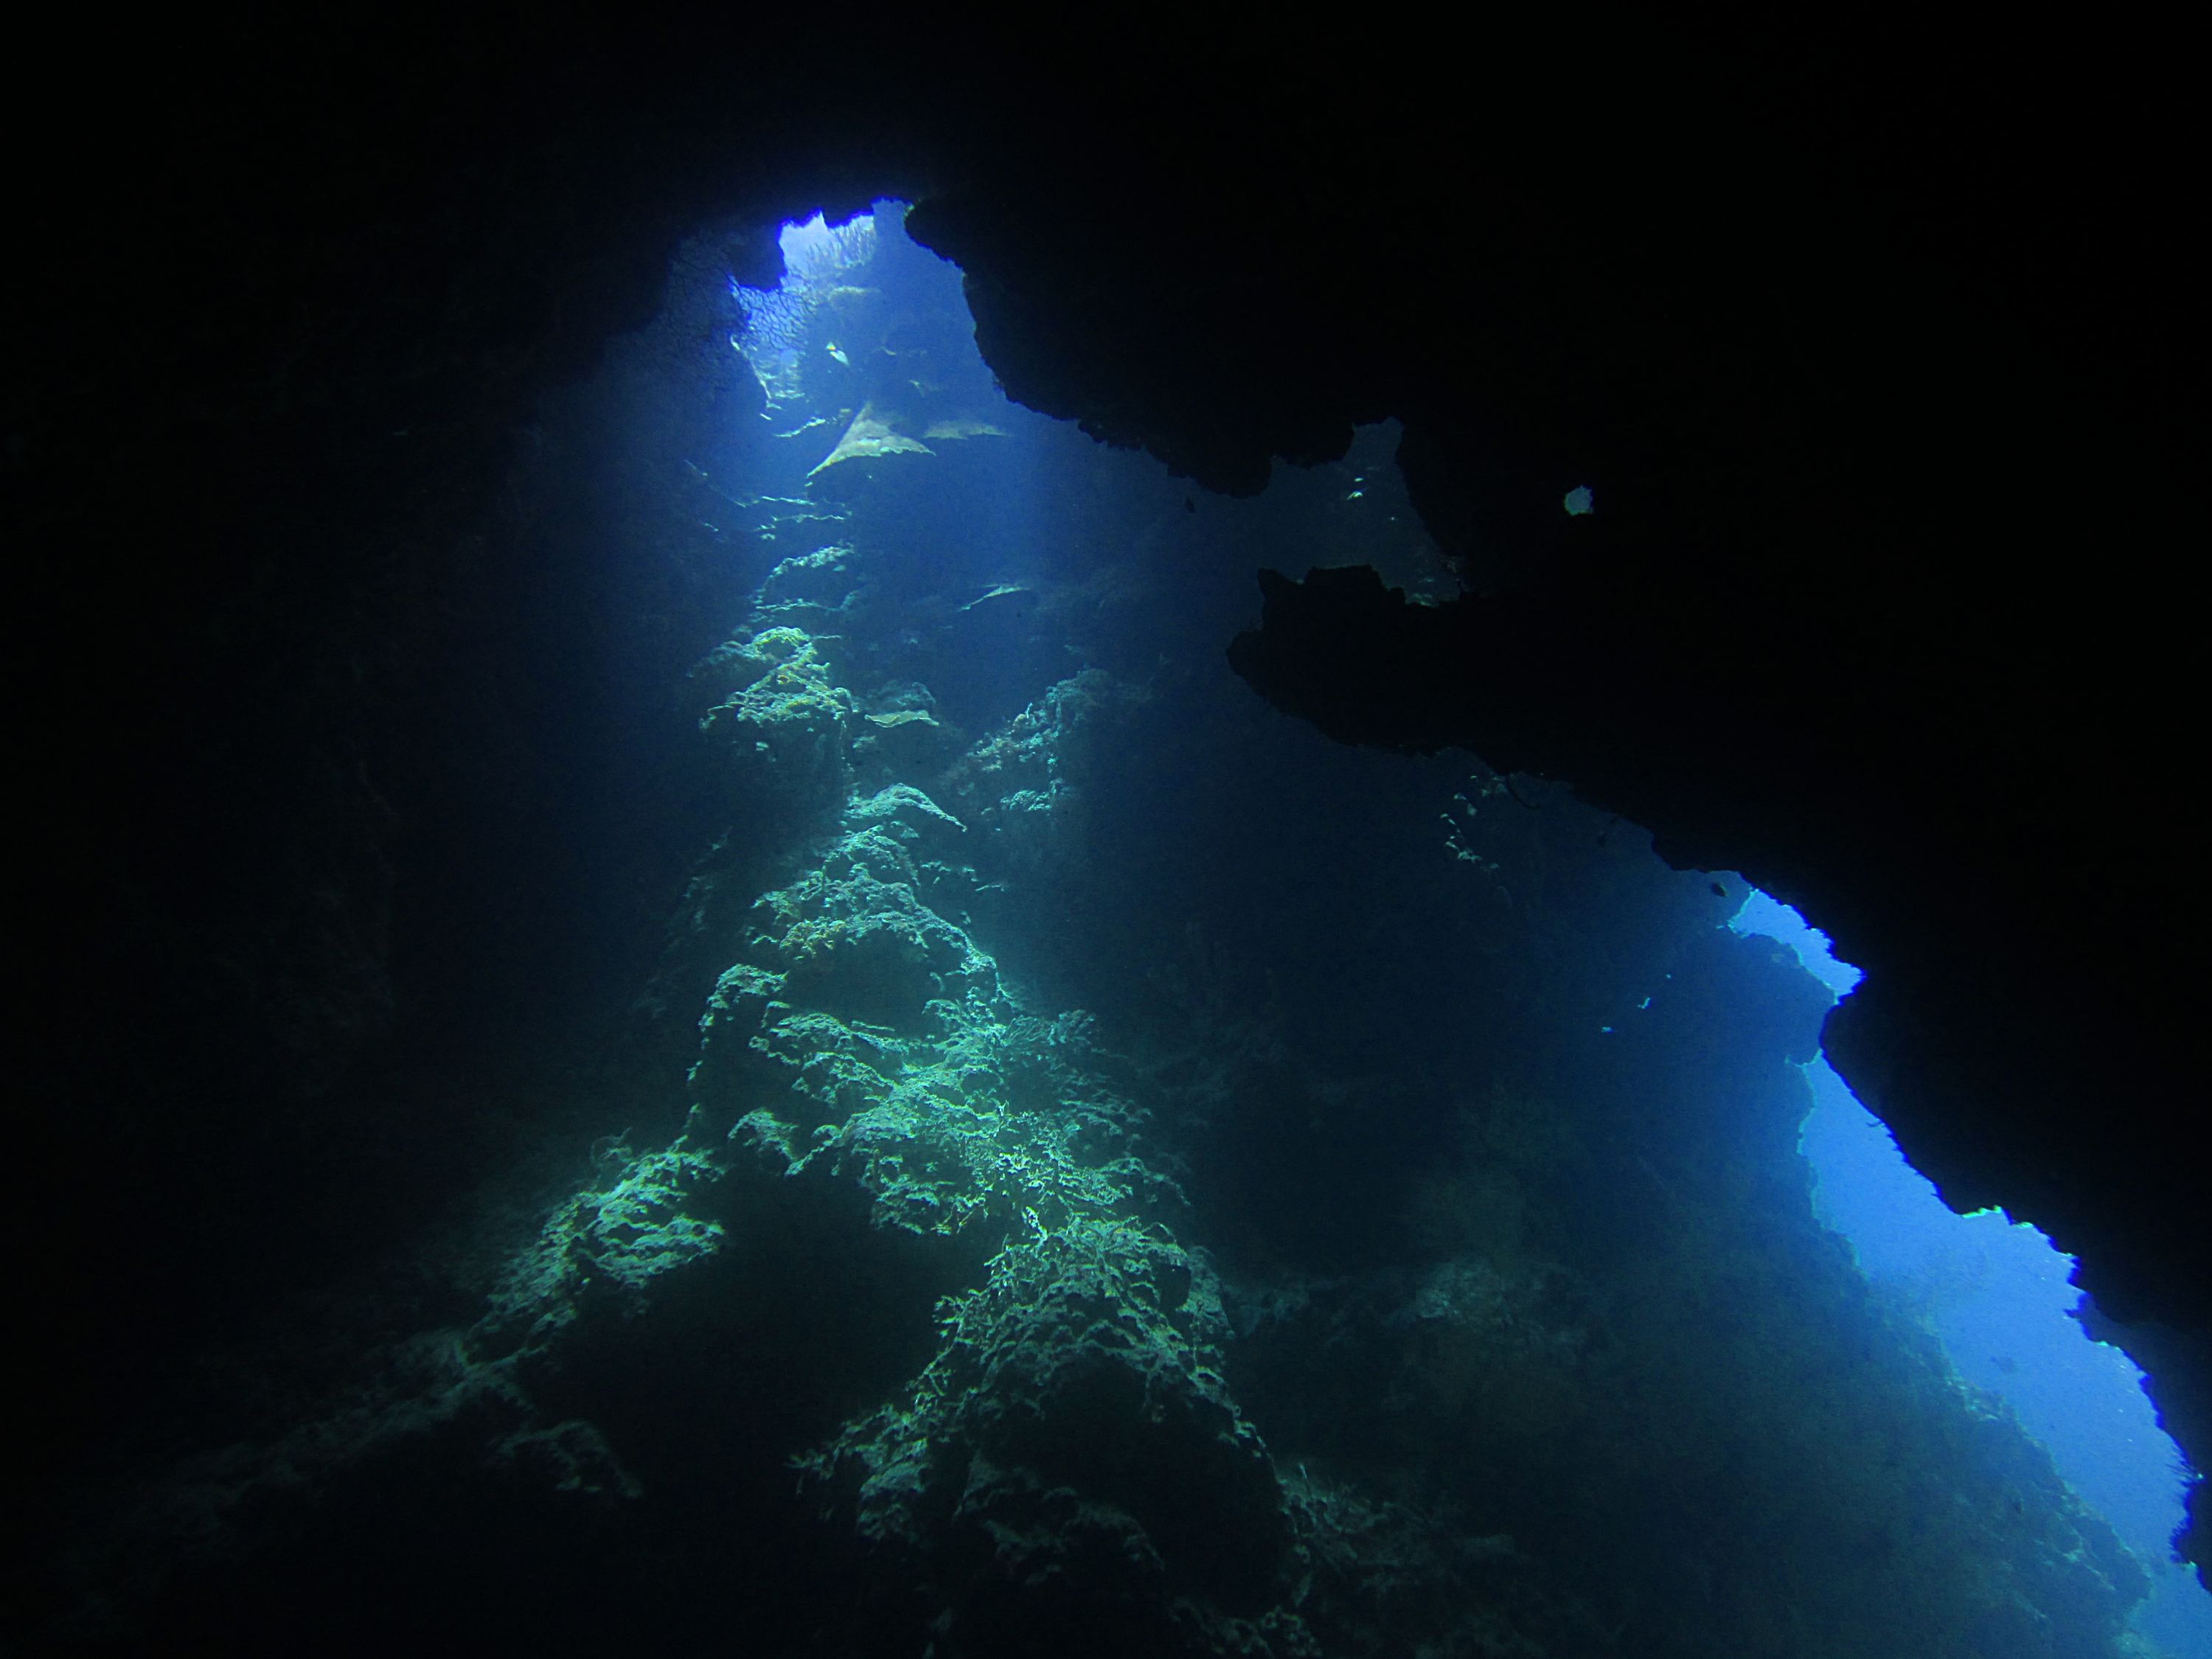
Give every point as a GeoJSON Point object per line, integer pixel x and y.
{"type": "Point", "coordinates": [1875, 365]}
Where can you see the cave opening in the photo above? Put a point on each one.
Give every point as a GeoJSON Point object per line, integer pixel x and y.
{"type": "Point", "coordinates": [1382, 1016]}
{"type": "Point", "coordinates": [1097, 1150]}
{"type": "Point", "coordinates": [2000, 1296]}
{"type": "Point", "coordinates": [1094, 1146]}
{"type": "Point", "coordinates": [614, 1032]}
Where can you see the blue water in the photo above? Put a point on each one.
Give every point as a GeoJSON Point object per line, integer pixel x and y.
{"type": "Point", "coordinates": [2000, 1297]}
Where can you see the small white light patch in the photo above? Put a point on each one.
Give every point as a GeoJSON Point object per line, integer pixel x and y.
{"type": "Point", "coordinates": [1580, 501]}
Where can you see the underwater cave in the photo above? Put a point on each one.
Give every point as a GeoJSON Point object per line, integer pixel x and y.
{"type": "Point", "coordinates": [704, 969]}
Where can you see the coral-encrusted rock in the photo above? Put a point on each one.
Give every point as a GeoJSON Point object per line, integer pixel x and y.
{"type": "Point", "coordinates": [1071, 1459]}
{"type": "Point", "coordinates": [787, 724]}
{"type": "Point", "coordinates": [1027, 782]}
{"type": "Point", "coordinates": [853, 939]}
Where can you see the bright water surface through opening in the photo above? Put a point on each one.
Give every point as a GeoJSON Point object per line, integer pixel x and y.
{"type": "Point", "coordinates": [2000, 1296]}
